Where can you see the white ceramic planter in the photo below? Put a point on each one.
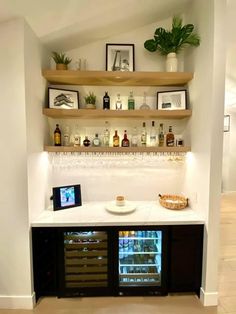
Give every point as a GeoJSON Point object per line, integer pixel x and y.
{"type": "Point", "coordinates": [171, 62]}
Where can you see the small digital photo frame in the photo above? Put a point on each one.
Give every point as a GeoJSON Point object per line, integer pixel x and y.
{"type": "Point", "coordinates": [66, 196]}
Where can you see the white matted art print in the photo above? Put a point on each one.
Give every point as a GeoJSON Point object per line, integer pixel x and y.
{"type": "Point", "coordinates": [172, 100]}
{"type": "Point", "coordinates": [63, 98]}
{"type": "Point", "coordinates": [120, 57]}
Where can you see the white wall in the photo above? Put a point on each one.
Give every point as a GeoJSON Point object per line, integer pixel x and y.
{"type": "Point", "coordinates": [207, 98]}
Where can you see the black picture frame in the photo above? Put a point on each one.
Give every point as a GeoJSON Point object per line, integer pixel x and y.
{"type": "Point", "coordinates": [120, 57]}
{"type": "Point", "coordinates": [66, 196]}
{"type": "Point", "coordinates": [59, 98]}
{"type": "Point", "coordinates": [226, 123]}
{"type": "Point", "coordinates": [172, 100]}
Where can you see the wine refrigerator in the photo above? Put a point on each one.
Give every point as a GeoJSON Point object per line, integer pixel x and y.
{"type": "Point", "coordinates": [113, 261]}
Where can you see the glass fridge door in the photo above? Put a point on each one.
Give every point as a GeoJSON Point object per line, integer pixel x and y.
{"type": "Point", "coordinates": [140, 258]}
{"type": "Point", "coordinates": [85, 257]}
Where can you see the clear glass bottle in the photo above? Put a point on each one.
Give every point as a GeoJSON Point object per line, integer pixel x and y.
{"type": "Point", "coordinates": [106, 101]}
{"type": "Point", "coordinates": [57, 136]}
{"type": "Point", "coordinates": [125, 141]}
{"type": "Point", "coordinates": [144, 106]}
{"type": "Point", "coordinates": [144, 135]}
{"type": "Point", "coordinates": [170, 138]}
{"type": "Point", "coordinates": [76, 137]}
{"type": "Point", "coordinates": [116, 139]}
{"type": "Point", "coordinates": [106, 135]}
{"type": "Point", "coordinates": [66, 136]}
{"type": "Point", "coordinates": [131, 101]}
{"type": "Point", "coordinates": [134, 138]}
{"type": "Point", "coordinates": [96, 141]}
{"type": "Point", "coordinates": [118, 103]}
{"type": "Point", "coordinates": [86, 141]}
{"type": "Point", "coordinates": [161, 136]}
{"type": "Point", "coordinates": [153, 135]}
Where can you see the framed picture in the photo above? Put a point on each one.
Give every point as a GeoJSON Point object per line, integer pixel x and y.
{"type": "Point", "coordinates": [63, 98]}
{"type": "Point", "coordinates": [120, 57]}
{"type": "Point", "coordinates": [172, 100]}
{"type": "Point", "coordinates": [66, 196]}
{"type": "Point", "coordinates": [226, 123]}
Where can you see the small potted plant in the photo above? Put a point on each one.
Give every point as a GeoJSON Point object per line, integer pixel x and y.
{"type": "Point", "coordinates": [90, 100]}
{"type": "Point", "coordinates": [61, 60]}
{"type": "Point", "coordinates": [170, 42]}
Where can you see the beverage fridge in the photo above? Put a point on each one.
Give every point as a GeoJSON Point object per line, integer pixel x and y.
{"type": "Point", "coordinates": [113, 261]}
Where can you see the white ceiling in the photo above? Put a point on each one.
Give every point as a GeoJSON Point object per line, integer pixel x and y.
{"type": "Point", "coordinates": [72, 23]}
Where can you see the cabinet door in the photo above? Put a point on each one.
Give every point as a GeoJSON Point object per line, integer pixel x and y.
{"type": "Point", "coordinates": [44, 245]}
{"type": "Point", "coordinates": [185, 258]}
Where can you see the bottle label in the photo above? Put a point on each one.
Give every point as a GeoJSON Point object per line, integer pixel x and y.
{"type": "Point", "coordinates": [57, 138]}
{"type": "Point", "coordinates": [77, 140]}
{"type": "Point", "coordinates": [116, 142]}
{"type": "Point", "coordinates": [131, 104]}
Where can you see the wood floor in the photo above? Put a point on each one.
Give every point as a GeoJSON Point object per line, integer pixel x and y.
{"type": "Point", "coordinates": [175, 304]}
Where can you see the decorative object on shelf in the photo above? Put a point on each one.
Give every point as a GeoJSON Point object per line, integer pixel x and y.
{"type": "Point", "coordinates": [172, 100]}
{"type": "Point", "coordinates": [173, 201]}
{"type": "Point", "coordinates": [63, 98]}
{"type": "Point", "coordinates": [86, 142]}
{"type": "Point", "coordinates": [57, 136]}
{"type": "Point", "coordinates": [226, 123]}
{"type": "Point", "coordinates": [61, 60]}
{"type": "Point", "coordinates": [170, 42]}
{"type": "Point", "coordinates": [120, 57]}
{"type": "Point", "coordinates": [90, 100]}
{"type": "Point", "coordinates": [144, 105]}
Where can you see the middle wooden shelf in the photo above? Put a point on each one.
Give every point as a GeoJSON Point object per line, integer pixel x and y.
{"type": "Point", "coordinates": [104, 114]}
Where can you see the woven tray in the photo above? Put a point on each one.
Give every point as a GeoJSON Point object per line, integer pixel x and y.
{"type": "Point", "coordinates": [173, 201]}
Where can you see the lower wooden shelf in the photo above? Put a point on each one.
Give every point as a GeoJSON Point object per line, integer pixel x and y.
{"type": "Point", "coordinates": [91, 149]}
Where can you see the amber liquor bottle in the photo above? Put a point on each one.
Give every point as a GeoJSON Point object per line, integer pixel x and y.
{"type": "Point", "coordinates": [116, 139]}
{"type": "Point", "coordinates": [170, 138]}
{"type": "Point", "coordinates": [125, 141]}
{"type": "Point", "coordinates": [57, 136]}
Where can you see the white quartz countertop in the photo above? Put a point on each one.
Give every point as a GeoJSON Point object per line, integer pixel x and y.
{"type": "Point", "coordinates": [95, 214]}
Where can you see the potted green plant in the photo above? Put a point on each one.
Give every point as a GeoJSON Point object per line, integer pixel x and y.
{"type": "Point", "coordinates": [170, 42]}
{"type": "Point", "coordinates": [61, 60]}
{"type": "Point", "coordinates": [90, 100]}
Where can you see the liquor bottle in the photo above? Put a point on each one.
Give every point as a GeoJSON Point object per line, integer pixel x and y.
{"type": "Point", "coordinates": [125, 141]}
{"type": "Point", "coordinates": [153, 136]}
{"type": "Point", "coordinates": [134, 138]}
{"type": "Point", "coordinates": [106, 101]}
{"type": "Point", "coordinates": [66, 136]}
{"type": "Point", "coordinates": [106, 135]}
{"type": "Point", "coordinates": [161, 136]}
{"type": "Point", "coordinates": [144, 135]}
{"type": "Point", "coordinates": [131, 102]}
{"type": "Point", "coordinates": [86, 141]}
{"type": "Point", "coordinates": [144, 105]}
{"type": "Point", "coordinates": [76, 137]}
{"type": "Point", "coordinates": [170, 138]}
{"type": "Point", "coordinates": [57, 136]}
{"type": "Point", "coordinates": [96, 140]}
{"type": "Point", "coordinates": [116, 140]}
{"type": "Point", "coordinates": [118, 103]}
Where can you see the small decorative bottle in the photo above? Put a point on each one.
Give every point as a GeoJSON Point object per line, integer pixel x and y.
{"type": "Point", "coordinates": [153, 136]}
{"type": "Point", "coordinates": [118, 103]}
{"type": "Point", "coordinates": [144, 135]}
{"type": "Point", "coordinates": [161, 136]}
{"type": "Point", "coordinates": [170, 138]}
{"type": "Point", "coordinates": [131, 102]}
{"type": "Point", "coordinates": [106, 135]}
{"type": "Point", "coordinates": [76, 137]}
{"type": "Point", "coordinates": [106, 101]}
{"type": "Point", "coordinates": [57, 136]}
{"type": "Point", "coordinates": [144, 105]}
{"type": "Point", "coordinates": [116, 139]}
{"type": "Point", "coordinates": [86, 141]}
{"type": "Point", "coordinates": [125, 141]}
{"type": "Point", "coordinates": [96, 140]}
{"type": "Point", "coordinates": [134, 138]}
{"type": "Point", "coordinates": [66, 136]}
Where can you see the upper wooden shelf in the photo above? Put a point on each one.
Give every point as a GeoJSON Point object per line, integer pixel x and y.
{"type": "Point", "coordinates": [109, 78]}
{"type": "Point", "coordinates": [103, 114]}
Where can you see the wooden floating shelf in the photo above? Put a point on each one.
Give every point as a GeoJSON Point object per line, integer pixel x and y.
{"type": "Point", "coordinates": [109, 78]}
{"type": "Point", "coordinates": [104, 114]}
{"type": "Point", "coordinates": [82, 149]}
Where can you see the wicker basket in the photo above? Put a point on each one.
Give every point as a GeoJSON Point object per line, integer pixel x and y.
{"type": "Point", "coordinates": [173, 201]}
